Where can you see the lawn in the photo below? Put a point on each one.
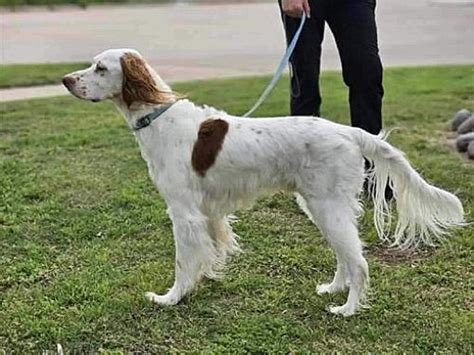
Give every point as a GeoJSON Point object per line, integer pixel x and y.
{"type": "Point", "coordinates": [84, 235]}
{"type": "Point", "coordinates": [14, 75]}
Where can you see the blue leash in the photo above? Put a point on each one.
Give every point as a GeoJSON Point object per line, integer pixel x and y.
{"type": "Point", "coordinates": [279, 71]}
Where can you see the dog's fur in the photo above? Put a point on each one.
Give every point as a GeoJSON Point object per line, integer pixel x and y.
{"type": "Point", "coordinates": [207, 163]}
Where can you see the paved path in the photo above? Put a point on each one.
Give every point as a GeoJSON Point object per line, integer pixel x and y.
{"type": "Point", "coordinates": [187, 42]}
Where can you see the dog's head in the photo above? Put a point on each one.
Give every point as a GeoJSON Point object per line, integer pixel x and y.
{"type": "Point", "coordinates": [119, 73]}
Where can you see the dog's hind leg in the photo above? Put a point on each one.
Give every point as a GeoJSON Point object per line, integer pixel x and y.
{"type": "Point", "coordinates": [196, 256]}
{"type": "Point", "coordinates": [337, 220]}
{"type": "Point", "coordinates": [340, 281]}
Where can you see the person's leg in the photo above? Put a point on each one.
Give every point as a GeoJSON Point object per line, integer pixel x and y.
{"type": "Point", "coordinates": [305, 61]}
{"type": "Point", "coordinates": [353, 25]}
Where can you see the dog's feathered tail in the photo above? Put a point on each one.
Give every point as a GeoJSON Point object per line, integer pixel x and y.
{"type": "Point", "coordinates": [425, 212]}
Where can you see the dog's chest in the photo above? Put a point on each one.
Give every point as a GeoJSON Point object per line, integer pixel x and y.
{"type": "Point", "coordinates": [167, 156]}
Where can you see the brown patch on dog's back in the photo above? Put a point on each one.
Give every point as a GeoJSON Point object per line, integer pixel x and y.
{"type": "Point", "coordinates": [210, 139]}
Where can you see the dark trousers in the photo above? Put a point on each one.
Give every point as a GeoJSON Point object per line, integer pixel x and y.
{"type": "Point", "coordinates": [352, 23]}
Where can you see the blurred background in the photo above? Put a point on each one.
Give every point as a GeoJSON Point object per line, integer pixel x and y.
{"type": "Point", "coordinates": [196, 39]}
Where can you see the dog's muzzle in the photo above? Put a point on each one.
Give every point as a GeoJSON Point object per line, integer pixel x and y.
{"type": "Point", "coordinates": [69, 82]}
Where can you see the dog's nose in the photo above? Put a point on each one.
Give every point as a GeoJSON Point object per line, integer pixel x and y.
{"type": "Point", "coordinates": [69, 81]}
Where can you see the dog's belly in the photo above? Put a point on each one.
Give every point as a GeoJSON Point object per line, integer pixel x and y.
{"type": "Point", "coordinates": [229, 191]}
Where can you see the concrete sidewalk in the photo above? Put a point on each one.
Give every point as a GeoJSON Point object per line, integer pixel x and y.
{"type": "Point", "coordinates": [188, 42]}
{"type": "Point", "coordinates": [33, 92]}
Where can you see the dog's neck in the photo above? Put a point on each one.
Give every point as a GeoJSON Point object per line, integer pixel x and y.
{"type": "Point", "coordinates": [136, 110]}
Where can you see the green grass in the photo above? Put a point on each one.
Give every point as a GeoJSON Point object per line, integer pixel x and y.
{"type": "Point", "coordinates": [84, 235]}
{"type": "Point", "coordinates": [14, 75]}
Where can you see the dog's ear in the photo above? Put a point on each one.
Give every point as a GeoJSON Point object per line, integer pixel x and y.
{"type": "Point", "coordinates": [138, 83]}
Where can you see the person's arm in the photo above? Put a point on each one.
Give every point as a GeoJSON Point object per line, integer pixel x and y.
{"type": "Point", "coordinates": [295, 8]}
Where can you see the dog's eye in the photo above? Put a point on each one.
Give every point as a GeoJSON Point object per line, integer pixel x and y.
{"type": "Point", "coordinates": [100, 68]}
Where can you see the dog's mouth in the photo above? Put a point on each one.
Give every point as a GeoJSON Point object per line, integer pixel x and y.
{"type": "Point", "coordinates": [82, 96]}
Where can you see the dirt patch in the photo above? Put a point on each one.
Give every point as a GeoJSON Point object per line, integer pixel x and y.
{"type": "Point", "coordinates": [394, 256]}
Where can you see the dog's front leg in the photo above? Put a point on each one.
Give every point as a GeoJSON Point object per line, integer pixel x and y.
{"type": "Point", "coordinates": [195, 256]}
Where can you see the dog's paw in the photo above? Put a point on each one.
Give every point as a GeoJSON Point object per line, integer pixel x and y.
{"type": "Point", "coordinates": [329, 288]}
{"type": "Point", "coordinates": [161, 300]}
{"type": "Point", "coordinates": [344, 310]}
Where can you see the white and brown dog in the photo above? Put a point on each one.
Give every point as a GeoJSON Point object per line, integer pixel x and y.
{"type": "Point", "coordinates": [207, 163]}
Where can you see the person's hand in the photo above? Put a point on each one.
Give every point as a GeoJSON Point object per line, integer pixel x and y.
{"type": "Point", "coordinates": [295, 8]}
